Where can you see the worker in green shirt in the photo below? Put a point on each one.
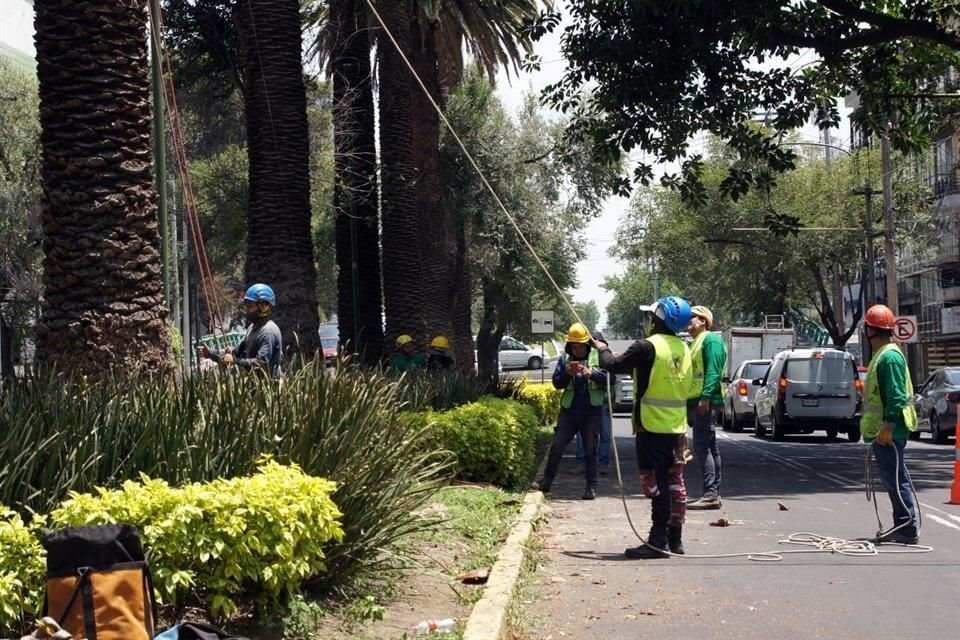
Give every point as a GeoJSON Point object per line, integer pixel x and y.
{"type": "Point", "coordinates": [708, 355]}
{"type": "Point", "coordinates": [888, 418]}
{"type": "Point", "coordinates": [407, 358]}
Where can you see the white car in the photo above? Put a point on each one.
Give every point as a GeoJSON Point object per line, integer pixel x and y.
{"type": "Point", "coordinates": [623, 395]}
{"type": "Point", "coordinates": [516, 355]}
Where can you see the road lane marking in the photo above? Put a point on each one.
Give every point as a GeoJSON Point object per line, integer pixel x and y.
{"type": "Point", "coordinates": [837, 479]}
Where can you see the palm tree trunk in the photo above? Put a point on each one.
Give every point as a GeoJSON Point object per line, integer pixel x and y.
{"type": "Point", "coordinates": [279, 247]}
{"type": "Point", "coordinates": [103, 300]}
{"type": "Point", "coordinates": [437, 251]}
{"type": "Point", "coordinates": [402, 271]}
{"type": "Point", "coordinates": [356, 216]}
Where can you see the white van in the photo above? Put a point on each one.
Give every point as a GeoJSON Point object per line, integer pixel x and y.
{"type": "Point", "coordinates": [807, 390]}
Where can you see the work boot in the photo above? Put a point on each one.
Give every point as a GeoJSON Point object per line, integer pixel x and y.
{"type": "Point", "coordinates": [897, 537]}
{"type": "Point", "coordinates": [540, 485]}
{"type": "Point", "coordinates": [705, 503]}
{"type": "Point", "coordinates": [656, 541]}
{"type": "Point", "coordinates": [674, 535]}
{"type": "Point", "coordinates": [589, 494]}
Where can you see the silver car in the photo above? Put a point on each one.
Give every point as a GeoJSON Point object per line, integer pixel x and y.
{"type": "Point", "coordinates": [516, 355]}
{"type": "Point", "coordinates": [807, 390]}
{"type": "Point", "coordinates": [623, 395]}
{"type": "Point", "coordinates": [741, 395]}
{"type": "Point", "coordinates": [937, 401]}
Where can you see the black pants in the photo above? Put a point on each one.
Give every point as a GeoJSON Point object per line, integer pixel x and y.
{"type": "Point", "coordinates": [567, 427]}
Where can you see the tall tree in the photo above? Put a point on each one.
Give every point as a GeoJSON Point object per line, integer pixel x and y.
{"type": "Point", "coordinates": [356, 213]}
{"type": "Point", "coordinates": [279, 248]}
{"type": "Point", "coordinates": [103, 300]}
{"type": "Point", "coordinates": [658, 73]}
{"type": "Point", "coordinates": [402, 266]}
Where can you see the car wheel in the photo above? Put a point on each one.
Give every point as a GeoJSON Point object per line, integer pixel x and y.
{"type": "Point", "coordinates": [535, 362]}
{"type": "Point", "coordinates": [758, 429]}
{"type": "Point", "coordinates": [735, 425]}
{"type": "Point", "coordinates": [777, 428]}
{"type": "Point", "coordinates": [914, 435]}
{"type": "Point", "coordinates": [936, 432]}
{"type": "Point", "coordinates": [725, 422]}
{"type": "Point", "coordinates": [832, 434]}
{"type": "Point", "coordinates": [853, 434]}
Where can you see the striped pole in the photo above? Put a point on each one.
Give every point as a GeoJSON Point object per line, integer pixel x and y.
{"type": "Point", "coordinates": [955, 487]}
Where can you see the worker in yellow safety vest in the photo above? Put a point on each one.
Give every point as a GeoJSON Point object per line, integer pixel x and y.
{"type": "Point", "coordinates": [709, 356]}
{"type": "Point", "coordinates": [888, 418]}
{"type": "Point", "coordinates": [662, 378]}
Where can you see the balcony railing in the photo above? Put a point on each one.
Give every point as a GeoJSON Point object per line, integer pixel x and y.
{"type": "Point", "coordinates": [944, 184]}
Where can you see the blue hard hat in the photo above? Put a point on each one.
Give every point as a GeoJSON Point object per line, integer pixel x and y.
{"type": "Point", "coordinates": [260, 293]}
{"type": "Point", "coordinates": [675, 313]}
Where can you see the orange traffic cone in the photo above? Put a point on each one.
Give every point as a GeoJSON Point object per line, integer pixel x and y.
{"type": "Point", "coordinates": [955, 487]}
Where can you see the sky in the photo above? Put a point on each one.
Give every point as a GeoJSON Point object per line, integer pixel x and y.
{"type": "Point", "coordinates": [602, 229]}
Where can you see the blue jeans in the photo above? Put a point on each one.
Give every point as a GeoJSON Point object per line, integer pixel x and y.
{"type": "Point", "coordinates": [705, 448]}
{"type": "Point", "coordinates": [893, 475]}
{"type": "Point", "coordinates": [603, 449]}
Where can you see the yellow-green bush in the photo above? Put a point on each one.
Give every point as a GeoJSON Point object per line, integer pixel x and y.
{"type": "Point", "coordinates": [493, 440]}
{"type": "Point", "coordinates": [22, 570]}
{"type": "Point", "coordinates": [544, 399]}
{"type": "Point", "coordinates": [261, 535]}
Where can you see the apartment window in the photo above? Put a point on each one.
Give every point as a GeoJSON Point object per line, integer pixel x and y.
{"type": "Point", "coordinates": [944, 167]}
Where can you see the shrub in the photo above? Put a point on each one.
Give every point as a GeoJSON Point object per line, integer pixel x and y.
{"type": "Point", "coordinates": [544, 399]}
{"type": "Point", "coordinates": [22, 570]}
{"type": "Point", "coordinates": [493, 440]}
{"type": "Point", "coordinates": [347, 425]}
{"type": "Point", "coordinates": [261, 535]}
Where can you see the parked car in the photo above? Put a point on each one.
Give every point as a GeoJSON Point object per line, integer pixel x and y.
{"type": "Point", "coordinates": [807, 390]}
{"type": "Point", "coordinates": [937, 400]}
{"type": "Point", "coordinates": [516, 355]}
{"type": "Point", "coordinates": [329, 341]}
{"type": "Point", "coordinates": [741, 395]}
{"type": "Point", "coordinates": [623, 395]}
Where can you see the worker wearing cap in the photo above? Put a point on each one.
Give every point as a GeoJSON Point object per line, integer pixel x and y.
{"type": "Point", "coordinates": [708, 356]}
{"type": "Point", "coordinates": [583, 382]}
{"type": "Point", "coordinates": [888, 418]}
{"type": "Point", "coordinates": [661, 368]}
{"type": "Point", "coordinates": [407, 358]}
{"type": "Point", "coordinates": [439, 354]}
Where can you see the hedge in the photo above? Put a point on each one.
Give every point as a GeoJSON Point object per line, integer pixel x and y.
{"type": "Point", "coordinates": [544, 398]}
{"type": "Point", "coordinates": [493, 440]}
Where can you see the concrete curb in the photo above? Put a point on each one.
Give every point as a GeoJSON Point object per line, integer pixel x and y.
{"type": "Point", "coordinates": [488, 620]}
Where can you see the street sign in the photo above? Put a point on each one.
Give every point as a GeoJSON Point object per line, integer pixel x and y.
{"type": "Point", "coordinates": [541, 322]}
{"type": "Point", "coordinates": [906, 329]}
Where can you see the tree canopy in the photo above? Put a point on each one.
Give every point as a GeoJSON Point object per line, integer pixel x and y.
{"type": "Point", "coordinates": [649, 76]}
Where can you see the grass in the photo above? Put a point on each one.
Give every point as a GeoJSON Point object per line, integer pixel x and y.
{"type": "Point", "coordinates": [518, 614]}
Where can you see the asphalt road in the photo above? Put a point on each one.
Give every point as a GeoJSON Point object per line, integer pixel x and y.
{"type": "Point", "coordinates": [586, 588]}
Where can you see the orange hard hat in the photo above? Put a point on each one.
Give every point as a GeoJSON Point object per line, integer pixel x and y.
{"type": "Point", "coordinates": [881, 317]}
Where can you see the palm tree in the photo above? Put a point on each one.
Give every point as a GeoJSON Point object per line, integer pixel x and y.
{"type": "Point", "coordinates": [103, 297]}
{"type": "Point", "coordinates": [356, 216]}
{"type": "Point", "coordinates": [402, 270]}
{"type": "Point", "coordinates": [279, 248]}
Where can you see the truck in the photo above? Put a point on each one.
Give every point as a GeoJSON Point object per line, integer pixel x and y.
{"type": "Point", "coordinates": [755, 343]}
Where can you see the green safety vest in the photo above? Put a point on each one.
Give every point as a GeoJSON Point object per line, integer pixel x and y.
{"type": "Point", "coordinates": [873, 405]}
{"type": "Point", "coordinates": [696, 359]}
{"type": "Point", "coordinates": [597, 391]}
{"type": "Point", "coordinates": [663, 407]}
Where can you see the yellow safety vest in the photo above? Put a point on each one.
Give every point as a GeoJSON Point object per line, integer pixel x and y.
{"type": "Point", "coordinates": [696, 359]}
{"type": "Point", "coordinates": [663, 407]}
{"type": "Point", "coordinates": [873, 405]}
{"type": "Point", "coordinates": [597, 392]}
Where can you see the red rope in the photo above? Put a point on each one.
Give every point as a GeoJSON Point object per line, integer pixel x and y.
{"type": "Point", "coordinates": [207, 285]}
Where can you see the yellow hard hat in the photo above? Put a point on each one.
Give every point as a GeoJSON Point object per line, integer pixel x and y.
{"type": "Point", "coordinates": [440, 342]}
{"type": "Point", "coordinates": [578, 334]}
{"type": "Point", "coordinates": [404, 339]}
{"type": "Point", "coordinates": [703, 313]}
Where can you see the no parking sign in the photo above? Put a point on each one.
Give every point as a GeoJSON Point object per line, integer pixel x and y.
{"type": "Point", "coordinates": [905, 329]}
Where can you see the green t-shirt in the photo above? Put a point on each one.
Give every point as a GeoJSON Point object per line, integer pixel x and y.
{"type": "Point", "coordinates": [714, 354]}
{"type": "Point", "coordinates": [401, 362]}
{"type": "Point", "coordinates": [891, 374]}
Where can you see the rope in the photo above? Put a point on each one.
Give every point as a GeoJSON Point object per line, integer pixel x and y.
{"type": "Point", "coordinates": [811, 542]}
{"type": "Point", "coordinates": [214, 314]}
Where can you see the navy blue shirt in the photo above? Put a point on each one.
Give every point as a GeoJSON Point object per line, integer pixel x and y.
{"type": "Point", "coordinates": [581, 405]}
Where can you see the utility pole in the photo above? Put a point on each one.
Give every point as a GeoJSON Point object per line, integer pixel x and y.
{"type": "Point", "coordinates": [869, 286]}
{"type": "Point", "coordinates": [837, 284]}
{"type": "Point", "coordinates": [889, 252]}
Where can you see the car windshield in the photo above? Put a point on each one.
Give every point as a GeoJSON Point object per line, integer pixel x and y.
{"type": "Point", "coordinates": [329, 343]}
{"type": "Point", "coordinates": [819, 370]}
{"type": "Point", "coordinates": [953, 376]}
{"type": "Point", "coordinates": [329, 331]}
{"type": "Point", "coordinates": [755, 370]}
